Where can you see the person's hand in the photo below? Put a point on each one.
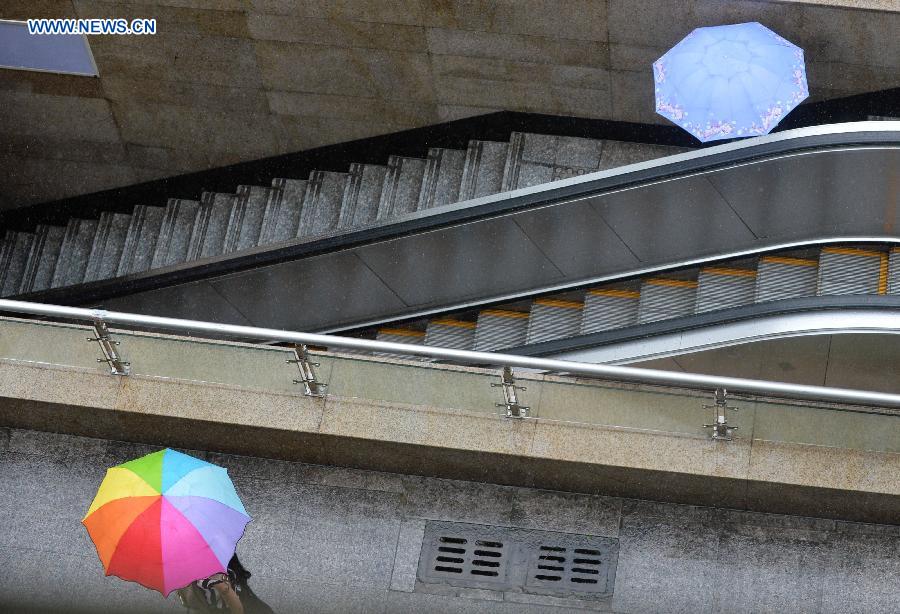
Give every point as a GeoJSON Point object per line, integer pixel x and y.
{"type": "Point", "coordinates": [229, 596]}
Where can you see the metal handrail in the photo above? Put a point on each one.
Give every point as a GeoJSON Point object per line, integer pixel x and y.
{"type": "Point", "coordinates": [628, 374]}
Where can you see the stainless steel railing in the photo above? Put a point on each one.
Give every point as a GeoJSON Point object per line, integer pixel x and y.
{"type": "Point", "coordinates": [618, 373]}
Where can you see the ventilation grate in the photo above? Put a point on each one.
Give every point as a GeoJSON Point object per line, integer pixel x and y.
{"type": "Point", "coordinates": [518, 560]}
{"type": "Point", "coordinates": [567, 569]}
{"type": "Point", "coordinates": [467, 557]}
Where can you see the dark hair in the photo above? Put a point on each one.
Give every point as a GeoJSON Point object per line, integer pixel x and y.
{"type": "Point", "coordinates": [240, 572]}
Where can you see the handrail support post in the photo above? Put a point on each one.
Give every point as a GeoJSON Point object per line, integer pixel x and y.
{"type": "Point", "coordinates": [514, 409]}
{"type": "Point", "coordinates": [111, 356]}
{"type": "Point", "coordinates": [312, 387]}
{"type": "Point", "coordinates": [721, 430]}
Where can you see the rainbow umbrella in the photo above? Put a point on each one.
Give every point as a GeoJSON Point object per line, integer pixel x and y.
{"type": "Point", "coordinates": [165, 520]}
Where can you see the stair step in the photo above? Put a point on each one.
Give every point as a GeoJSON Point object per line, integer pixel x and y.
{"type": "Point", "coordinates": [253, 202]}
{"type": "Point", "coordinates": [722, 288]}
{"type": "Point", "coordinates": [662, 299]}
{"type": "Point", "coordinates": [778, 278]}
{"type": "Point", "coordinates": [362, 194]}
{"type": "Point", "coordinates": [175, 232]}
{"type": "Point", "coordinates": [283, 211]}
{"type": "Point", "coordinates": [443, 176]}
{"type": "Point", "coordinates": [609, 308]}
{"type": "Point", "coordinates": [42, 258]}
{"type": "Point", "coordinates": [106, 251]}
{"type": "Point", "coordinates": [140, 241]}
{"type": "Point", "coordinates": [847, 270]}
{"type": "Point", "coordinates": [622, 153]}
{"type": "Point", "coordinates": [450, 333]}
{"type": "Point", "coordinates": [74, 253]}
{"type": "Point", "coordinates": [894, 272]}
{"type": "Point", "coordinates": [13, 258]}
{"type": "Point", "coordinates": [539, 158]}
{"type": "Point", "coordinates": [400, 194]}
{"type": "Point", "coordinates": [553, 319]}
{"type": "Point", "coordinates": [210, 235]}
{"type": "Point", "coordinates": [321, 203]}
{"type": "Point", "coordinates": [483, 169]}
{"type": "Point", "coordinates": [500, 329]}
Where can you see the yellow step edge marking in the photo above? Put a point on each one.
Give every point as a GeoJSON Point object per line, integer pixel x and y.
{"type": "Point", "coordinates": [674, 283]}
{"type": "Point", "coordinates": [502, 313]}
{"type": "Point", "coordinates": [791, 261]}
{"type": "Point", "coordinates": [852, 251]}
{"type": "Point", "coordinates": [401, 332]}
{"type": "Point", "coordinates": [554, 302]}
{"type": "Point", "coordinates": [726, 271]}
{"type": "Point", "coordinates": [895, 250]}
{"type": "Point", "coordinates": [883, 274]}
{"type": "Point", "coordinates": [616, 293]}
{"type": "Point", "coordinates": [454, 323]}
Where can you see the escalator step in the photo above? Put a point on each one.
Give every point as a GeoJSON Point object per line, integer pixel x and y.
{"type": "Point", "coordinates": [662, 299]}
{"type": "Point", "coordinates": [607, 309]}
{"type": "Point", "coordinates": [847, 270]}
{"type": "Point", "coordinates": [451, 333]}
{"type": "Point", "coordinates": [500, 329]}
{"type": "Point", "coordinates": [778, 278]}
{"type": "Point", "coordinates": [553, 319]}
{"type": "Point", "coordinates": [722, 288]}
{"type": "Point", "coordinates": [893, 286]}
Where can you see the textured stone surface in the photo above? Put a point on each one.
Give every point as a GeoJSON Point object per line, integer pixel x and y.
{"type": "Point", "coordinates": [175, 233]}
{"type": "Point", "coordinates": [285, 220]}
{"type": "Point", "coordinates": [443, 175]}
{"type": "Point", "coordinates": [15, 261]}
{"type": "Point", "coordinates": [212, 230]}
{"type": "Point", "coordinates": [109, 241]}
{"type": "Point", "coordinates": [354, 547]}
{"type": "Point", "coordinates": [43, 258]}
{"type": "Point", "coordinates": [73, 255]}
{"type": "Point", "coordinates": [321, 203]}
{"type": "Point", "coordinates": [483, 169]}
{"type": "Point", "coordinates": [362, 194]}
{"type": "Point", "coordinates": [140, 242]}
{"type": "Point", "coordinates": [254, 200]}
{"type": "Point", "coordinates": [400, 193]}
{"type": "Point", "coordinates": [223, 83]}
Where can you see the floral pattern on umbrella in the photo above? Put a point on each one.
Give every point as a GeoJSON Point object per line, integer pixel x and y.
{"type": "Point", "coordinates": [730, 81]}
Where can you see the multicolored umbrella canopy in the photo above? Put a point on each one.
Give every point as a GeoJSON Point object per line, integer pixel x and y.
{"type": "Point", "coordinates": [730, 81]}
{"type": "Point", "coordinates": [165, 520]}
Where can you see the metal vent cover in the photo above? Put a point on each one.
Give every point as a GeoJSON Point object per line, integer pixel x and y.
{"type": "Point", "coordinates": [519, 560]}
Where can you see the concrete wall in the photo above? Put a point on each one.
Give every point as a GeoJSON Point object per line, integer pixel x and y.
{"type": "Point", "coordinates": [327, 539]}
{"type": "Point", "coordinates": [231, 80]}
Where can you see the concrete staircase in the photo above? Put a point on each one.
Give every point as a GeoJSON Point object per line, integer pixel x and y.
{"type": "Point", "coordinates": [153, 237]}
{"type": "Point", "coordinates": [829, 271]}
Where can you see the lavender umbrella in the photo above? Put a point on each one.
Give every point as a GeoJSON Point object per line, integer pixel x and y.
{"type": "Point", "coordinates": [730, 81]}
